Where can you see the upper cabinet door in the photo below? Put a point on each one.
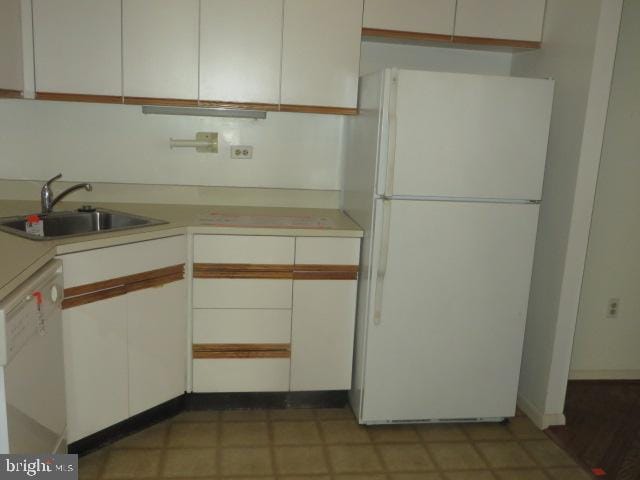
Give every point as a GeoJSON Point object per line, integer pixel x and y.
{"type": "Point", "coordinates": [240, 50]}
{"type": "Point", "coordinates": [422, 16]}
{"type": "Point", "coordinates": [10, 46]}
{"type": "Point", "coordinates": [78, 46]}
{"type": "Point", "coordinates": [504, 19]}
{"type": "Point", "coordinates": [321, 52]}
{"type": "Point", "coordinates": [160, 48]}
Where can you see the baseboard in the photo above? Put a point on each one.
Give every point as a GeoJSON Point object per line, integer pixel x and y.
{"type": "Point", "coordinates": [604, 375]}
{"type": "Point", "coordinates": [541, 420]}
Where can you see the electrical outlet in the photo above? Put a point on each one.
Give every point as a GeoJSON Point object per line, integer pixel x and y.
{"type": "Point", "coordinates": [612, 307]}
{"type": "Point", "coordinates": [241, 151]}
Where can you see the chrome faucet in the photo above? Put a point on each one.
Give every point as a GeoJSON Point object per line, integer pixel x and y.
{"type": "Point", "coordinates": [47, 199]}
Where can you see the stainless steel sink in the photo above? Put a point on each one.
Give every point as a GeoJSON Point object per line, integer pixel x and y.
{"type": "Point", "coordinates": [68, 224]}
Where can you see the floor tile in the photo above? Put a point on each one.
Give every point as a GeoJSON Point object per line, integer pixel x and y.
{"type": "Point", "coordinates": [191, 434]}
{"type": "Point", "coordinates": [136, 463]}
{"type": "Point", "coordinates": [243, 415]}
{"type": "Point", "coordinates": [292, 414]}
{"type": "Point", "coordinates": [488, 431]}
{"type": "Point", "coordinates": [471, 475]}
{"type": "Point", "coordinates": [344, 431]}
{"type": "Point", "coordinates": [152, 437]}
{"type": "Point", "coordinates": [295, 433]}
{"type": "Point", "coordinates": [334, 413]}
{"type": "Point", "coordinates": [443, 432]}
{"type": "Point", "coordinates": [351, 476]}
{"type": "Point", "coordinates": [455, 456]}
{"type": "Point", "coordinates": [548, 454]}
{"type": "Point", "coordinates": [245, 461]}
{"type": "Point", "coordinates": [406, 457]}
{"type": "Point", "coordinates": [197, 416]}
{"type": "Point", "coordinates": [523, 428]}
{"type": "Point", "coordinates": [300, 460]}
{"type": "Point", "coordinates": [244, 433]}
{"type": "Point", "coordinates": [89, 465]}
{"type": "Point", "coordinates": [505, 454]}
{"type": "Point", "coordinates": [521, 475]}
{"type": "Point", "coordinates": [354, 459]}
{"type": "Point", "coordinates": [417, 476]}
{"type": "Point", "coordinates": [302, 477]}
{"type": "Point", "coordinates": [190, 462]}
{"type": "Point", "coordinates": [393, 433]}
{"type": "Point", "coordinates": [575, 473]}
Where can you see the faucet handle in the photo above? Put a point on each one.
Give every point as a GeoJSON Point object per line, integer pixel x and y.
{"type": "Point", "coordinates": [50, 181]}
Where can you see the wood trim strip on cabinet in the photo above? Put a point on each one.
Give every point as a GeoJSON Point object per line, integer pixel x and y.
{"type": "Point", "coordinates": [455, 39]}
{"type": "Point", "coordinates": [496, 42]}
{"type": "Point", "coordinates": [268, 107]}
{"type": "Point", "coordinates": [402, 35]}
{"type": "Point", "coordinates": [5, 93]}
{"type": "Point", "coordinates": [242, 270]}
{"type": "Point", "coordinates": [173, 102]}
{"type": "Point", "coordinates": [94, 292]}
{"type": "Point", "coordinates": [318, 109]}
{"type": "Point", "coordinates": [74, 97]}
{"type": "Point", "coordinates": [241, 350]}
{"type": "Point", "coordinates": [283, 272]}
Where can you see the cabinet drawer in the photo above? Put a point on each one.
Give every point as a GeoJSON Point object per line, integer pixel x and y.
{"type": "Point", "coordinates": [327, 251]}
{"type": "Point", "coordinates": [107, 263]}
{"type": "Point", "coordinates": [243, 249]}
{"type": "Point", "coordinates": [241, 326]}
{"type": "Point", "coordinates": [241, 293]}
{"type": "Point", "coordinates": [241, 375]}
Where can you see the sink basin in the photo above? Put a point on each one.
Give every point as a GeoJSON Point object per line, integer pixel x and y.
{"type": "Point", "coordinates": [67, 224]}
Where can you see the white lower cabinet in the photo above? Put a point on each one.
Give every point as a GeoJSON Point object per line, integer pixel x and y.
{"type": "Point", "coordinates": [124, 332]}
{"type": "Point", "coordinates": [156, 339]}
{"type": "Point", "coordinates": [273, 313]}
{"type": "Point", "coordinates": [95, 363]}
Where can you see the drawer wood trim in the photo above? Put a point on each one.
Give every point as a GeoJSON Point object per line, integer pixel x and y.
{"type": "Point", "coordinates": [284, 272]}
{"type": "Point", "coordinates": [94, 292]}
{"type": "Point", "coordinates": [174, 102]}
{"type": "Point", "coordinates": [76, 97]}
{"type": "Point", "coordinates": [318, 109]}
{"type": "Point", "coordinates": [241, 350]}
{"type": "Point", "coordinates": [496, 42]}
{"type": "Point", "coordinates": [242, 270]}
{"type": "Point", "coordinates": [402, 35]}
{"type": "Point", "coordinates": [5, 93]}
{"type": "Point", "coordinates": [265, 107]}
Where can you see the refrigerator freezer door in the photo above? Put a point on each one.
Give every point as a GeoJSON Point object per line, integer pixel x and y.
{"type": "Point", "coordinates": [473, 136]}
{"type": "Point", "coordinates": [447, 340]}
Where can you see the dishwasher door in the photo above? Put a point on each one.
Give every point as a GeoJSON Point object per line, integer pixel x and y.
{"type": "Point", "coordinates": [34, 390]}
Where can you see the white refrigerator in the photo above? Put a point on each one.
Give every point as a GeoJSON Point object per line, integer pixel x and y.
{"type": "Point", "coordinates": [444, 173]}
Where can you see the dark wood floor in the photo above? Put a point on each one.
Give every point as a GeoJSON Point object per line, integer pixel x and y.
{"type": "Point", "coordinates": [603, 427]}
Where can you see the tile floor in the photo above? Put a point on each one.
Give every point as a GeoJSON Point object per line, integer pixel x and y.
{"type": "Point", "coordinates": [328, 444]}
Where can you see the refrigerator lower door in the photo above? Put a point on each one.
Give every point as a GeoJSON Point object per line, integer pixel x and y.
{"type": "Point", "coordinates": [446, 327]}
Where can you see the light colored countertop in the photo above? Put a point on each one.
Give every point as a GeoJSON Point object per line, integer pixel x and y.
{"type": "Point", "coordinates": [21, 257]}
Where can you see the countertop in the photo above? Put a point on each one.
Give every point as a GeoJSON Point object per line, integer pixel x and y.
{"type": "Point", "coordinates": [21, 257]}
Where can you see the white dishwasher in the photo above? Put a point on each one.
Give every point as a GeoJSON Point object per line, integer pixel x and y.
{"type": "Point", "coordinates": [32, 398]}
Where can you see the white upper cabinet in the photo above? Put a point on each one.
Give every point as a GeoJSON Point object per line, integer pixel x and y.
{"type": "Point", "coordinates": [10, 46]}
{"type": "Point", "coordinates": [321, 52]}
{"type": "Point", "coordinates": [160, 48]}
{"type": "Point", "coordinates": [240, 50]}
{"type": "Point", "coordinates": [78, 46]}
{"type": "Point", "coordinates": [504, 19]}
{"type": "Point", "coordinates": [421, 16]}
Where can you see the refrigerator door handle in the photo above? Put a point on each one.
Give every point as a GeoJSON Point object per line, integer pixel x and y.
{"type": "Point", "coordinates": [383, 263]}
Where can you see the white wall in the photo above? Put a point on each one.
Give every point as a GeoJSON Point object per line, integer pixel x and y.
{"type": "Point", "coordinates": [578, 47]}
{"type": "Point", "coordinates": [375, 56]}
{"type": "Point", "coordinates": [117, 143]}
{"type": "Point", "coordinates": [606, 347]}
{"type": "Point", "coordinates": [10, 45]}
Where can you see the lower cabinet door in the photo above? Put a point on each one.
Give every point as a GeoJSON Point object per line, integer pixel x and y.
{"type": "Point", "coordinates": [95, 358]}
{"type": "Point", "coordinates": [157, 340]}
{"type": "Point", "coordinates": [322, 328]}
{"type": "Point", "coordinates": [241, 375]}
